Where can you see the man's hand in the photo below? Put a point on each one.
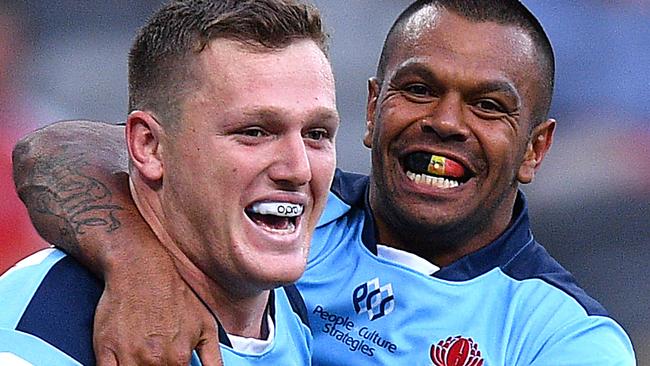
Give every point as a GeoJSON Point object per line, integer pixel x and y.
{"type": "Point", "coordinates": [131, 330]}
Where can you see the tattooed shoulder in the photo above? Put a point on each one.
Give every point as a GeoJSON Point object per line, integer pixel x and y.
{"type": "Point", "coordinates": [61, 189]}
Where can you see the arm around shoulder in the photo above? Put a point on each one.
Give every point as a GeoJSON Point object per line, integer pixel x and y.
{"type": "Point", "coordinates": [72, 177]}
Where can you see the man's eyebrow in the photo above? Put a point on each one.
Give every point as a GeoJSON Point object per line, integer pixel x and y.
{"type": "Point", "coordinates": [273, 113]}
{"type": "Point", "coordinates": [418, 68]}
{"type": "Point", "coordinates": [499, 86]}
{"type": "Point", "coordinates": [504, 88]}
{"type": "Point", "coordinates": [321, 113]}
{"type": "Point", "coordinates": [263, 112]}
{"type": "Point", "coordinates": [487, 86]}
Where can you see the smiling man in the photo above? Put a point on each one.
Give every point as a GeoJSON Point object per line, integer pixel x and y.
{"type": "Point", "coordinates": [431, 259]}
{"type": "Point", "coordinates": [445, 94]}
{"type": "Point", "coordinates": [231, 145]}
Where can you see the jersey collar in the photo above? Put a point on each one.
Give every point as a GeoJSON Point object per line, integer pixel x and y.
{"type": "Point", "coordinates": [496, 254]}
{"type": "Point", "coordinates": [270, 311]}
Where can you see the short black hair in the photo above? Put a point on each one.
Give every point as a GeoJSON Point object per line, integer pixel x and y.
{"type": "Point", "coordinates": [160, 62]}
{"type": "Point", "coordinates": [504, 12]}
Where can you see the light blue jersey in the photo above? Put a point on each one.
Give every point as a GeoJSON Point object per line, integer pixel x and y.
{"type": "Point", "coordinates": [507, 304]}
{"type": "Point", "coordinates": [510, 303]}
{"type": "Point", "coordinates": [47, 305]}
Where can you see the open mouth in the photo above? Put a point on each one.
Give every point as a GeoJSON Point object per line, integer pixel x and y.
{"type": "Point", "coordinates": [276, 217]}
{"type": "Point", "coordinates": [436, 171]}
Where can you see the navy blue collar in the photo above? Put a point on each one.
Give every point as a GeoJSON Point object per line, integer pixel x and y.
{"type": "Point", "coordinates": [353, 189]}
{"type": "Point", "coordinates": [498, 253]}
{"type": "Point", "coordinates": [270, 310]}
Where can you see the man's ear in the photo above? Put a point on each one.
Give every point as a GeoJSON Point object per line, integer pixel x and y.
{"type": "Point", "coordinates": [371, 109]}
{"type": "Point", "coordinates": [538, 145]}
{"type": "Point", "coordinates": [143, 134]}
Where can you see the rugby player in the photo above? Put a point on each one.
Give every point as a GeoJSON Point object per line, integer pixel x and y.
{"type": "Point", "coordinates": [230, 141]}
{"type": "Point", "coordinates": [430, 259]}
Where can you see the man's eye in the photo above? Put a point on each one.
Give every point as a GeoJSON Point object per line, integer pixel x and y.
{"type": "Point", "coordinates": [317, 135]}
{"type": "Point", "coordinates": [489, 106]}
{"type": "Point", "coordinates": [254, 132]}
{"type": "Point", "coordinates": [419, 90]}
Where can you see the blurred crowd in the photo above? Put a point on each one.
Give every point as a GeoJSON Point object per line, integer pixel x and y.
{"type": "Point", "coordinates": [17, 115]}
{"type": "Point", "coordinates": [64, 59]}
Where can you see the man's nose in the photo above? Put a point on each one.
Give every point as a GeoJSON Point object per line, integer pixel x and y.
{"type": "Point", "coordinates": [291, 164]}
{"type": "Point", "coordinates": [446, 119]}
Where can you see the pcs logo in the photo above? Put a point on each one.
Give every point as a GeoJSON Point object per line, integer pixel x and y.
{"type": "Point", "coordinates": [370, 298]}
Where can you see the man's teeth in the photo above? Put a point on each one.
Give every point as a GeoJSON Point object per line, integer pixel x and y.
{"type": "Point", "coordinates": [287, 227]}
{"type": "Point", "coordinates": [437, 182]}
{"type": "Point", "coordinates": [434, 165]}
{"type": "Point", "coordinates": [282, 209]}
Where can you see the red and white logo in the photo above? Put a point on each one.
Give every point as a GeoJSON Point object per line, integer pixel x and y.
{"type": "Point", "coordinates": [456, 351]}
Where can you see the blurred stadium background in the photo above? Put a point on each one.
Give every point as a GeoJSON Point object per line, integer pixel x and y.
{"type": "Point", "coordinates": [64, 59]}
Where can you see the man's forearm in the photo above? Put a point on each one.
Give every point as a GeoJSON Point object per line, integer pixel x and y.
{"type": "Point", "coordinates": [72, 176]}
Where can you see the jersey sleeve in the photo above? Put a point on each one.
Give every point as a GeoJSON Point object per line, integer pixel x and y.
{"type": "Point", "coordinates": [590, 341]}
{"type": "Point", "coordinates": [22, 349]}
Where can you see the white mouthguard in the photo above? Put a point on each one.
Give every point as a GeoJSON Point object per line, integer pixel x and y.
{"type": "Point", "coordinates": [283, 209]}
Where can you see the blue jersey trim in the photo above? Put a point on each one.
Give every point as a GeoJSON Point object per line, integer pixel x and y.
{"type": "Point", "coordinates": [32, 349]}
{"type": "Point", "coordinates": [61, 311]}
{"type": "Point", "coordinates": [335, 209]}
{"type": "Point", "coordinates": [295, 300]}
{"type": "Point", "coordinates": [297, 303]}
{"type": "Point", "coordinates": [57, 311]}
{"type": "Point", "coordinates": [515, 252]}
{"type": "Point", "coordinates": [350, 187]}
{"type": "Point", "coordinates": [22, 284]}
{"type": "Point", "coordinates": [551, 272]}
